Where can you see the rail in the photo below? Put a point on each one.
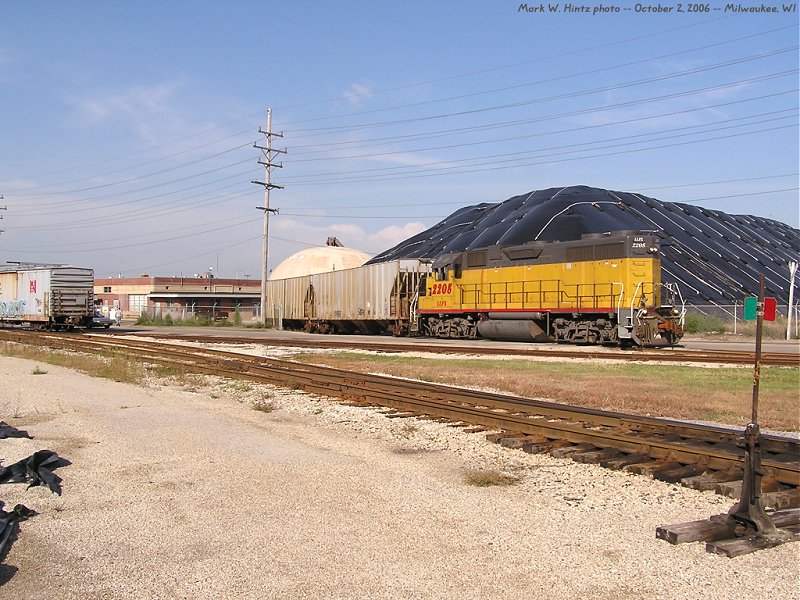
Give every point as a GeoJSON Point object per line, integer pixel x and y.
{"type": "Point", "coordinates": [671, 446]}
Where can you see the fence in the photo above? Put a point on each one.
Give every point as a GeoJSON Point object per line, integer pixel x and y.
{"type": "Point", "coordinates": [196, 311]}
{"type": "Point", "coordinates": [729, 318]}
{"type": "Point", "coordinates": [700, 318]}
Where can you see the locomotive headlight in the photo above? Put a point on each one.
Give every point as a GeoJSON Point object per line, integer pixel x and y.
{"type": "Point", "coordinates": [652, 249]}
{"type": "Point", "coordinates": [676, 312]}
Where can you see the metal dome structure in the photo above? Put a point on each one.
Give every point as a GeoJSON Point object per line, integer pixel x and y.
{"type": "Point", "coordinates": [716, 258]}
{"type": "Point", "coordinates": [331, 257]}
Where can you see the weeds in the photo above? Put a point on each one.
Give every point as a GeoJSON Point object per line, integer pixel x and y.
{"type": "Point", "coordinates": [241, 387]}
{"type": "Point", "coordinates": [408, 429]}
{"type": "Point", "coordinates": [262, 405]}
{"type": "Point", "coordinates": [38, 371]}
{"type": "Point", "coordinates": [192, 321]}
{"type": "Point", "coordinates": [489, 477]}
{"type": "Point", "coordinates": [108, 365]}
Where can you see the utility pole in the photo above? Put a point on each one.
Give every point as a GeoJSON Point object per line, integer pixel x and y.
{"type": "Point", "coordinates": [792, 273]}
{"type": "Point", "coordinates": [269, 155]}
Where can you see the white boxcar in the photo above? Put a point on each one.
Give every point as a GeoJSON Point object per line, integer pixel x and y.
{"type": "Point", "coordinates": [47, 296]}
{"type": "Point", "coordinates": [371, 299]}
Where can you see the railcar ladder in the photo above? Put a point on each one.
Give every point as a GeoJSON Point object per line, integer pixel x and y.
{"type": "Point", "coordinates": [413, 317]}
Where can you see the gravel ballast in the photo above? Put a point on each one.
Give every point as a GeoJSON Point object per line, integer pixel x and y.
{"type": "Point", "coordinates": [214, 489]}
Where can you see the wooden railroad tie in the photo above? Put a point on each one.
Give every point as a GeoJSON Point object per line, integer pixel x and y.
{"type": "Point", "coordinates": [724, 535]}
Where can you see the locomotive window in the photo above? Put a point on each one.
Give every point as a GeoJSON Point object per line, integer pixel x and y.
{"type": "Point", "coordinates": [457, 270]}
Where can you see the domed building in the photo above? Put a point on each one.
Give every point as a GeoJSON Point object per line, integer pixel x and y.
{"type": "Point", "coordinates": [331, 257]}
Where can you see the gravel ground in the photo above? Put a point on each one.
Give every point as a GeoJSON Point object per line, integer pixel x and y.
{"type": "Point", "coordinates": [186, 491]}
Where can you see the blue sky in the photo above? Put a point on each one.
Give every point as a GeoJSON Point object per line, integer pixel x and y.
{"type": "Point", "coordinates": [126, 129]}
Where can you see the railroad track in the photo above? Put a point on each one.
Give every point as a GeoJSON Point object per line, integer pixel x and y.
{"type": "Point", "coordinates": [665, 354]}
{"type": "Point", "coordinates": [698, 456]}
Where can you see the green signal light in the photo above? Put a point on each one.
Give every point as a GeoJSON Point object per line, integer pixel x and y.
{"type": "Point", "coordinates": [750, 308]}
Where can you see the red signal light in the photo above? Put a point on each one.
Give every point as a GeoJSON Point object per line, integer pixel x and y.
{"type": "Point", "coordinates": [770, 306]}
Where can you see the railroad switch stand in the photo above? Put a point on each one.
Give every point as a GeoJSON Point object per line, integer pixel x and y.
{"type": "Point", "coordinates": [746, 527]}
{"type": "Point", "coordinates": [750, 511]}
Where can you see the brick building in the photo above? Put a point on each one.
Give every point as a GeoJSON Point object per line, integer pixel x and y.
{"type": "Point", "coordinates": [179, 297]}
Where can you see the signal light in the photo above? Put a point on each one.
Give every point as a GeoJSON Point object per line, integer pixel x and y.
{"type": "Point", "coordinates": [770, 306]}
{"type": "Point", "coordinates": [750, 304]}
{"type": "Point", "coordinates": [753, 308]}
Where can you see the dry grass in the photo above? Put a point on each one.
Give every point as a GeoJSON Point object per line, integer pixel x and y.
{"type": "Point", "coordinates": [695, 393]}
{"type": "Point", "coordinates": [488, 477]}
{"type": "Point", "coordinates": [107, 365]}
{"type": "Point", "coordinates": [263, 404]}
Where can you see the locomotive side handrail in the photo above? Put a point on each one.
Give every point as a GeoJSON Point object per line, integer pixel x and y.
{"type": "Point", "coordinates": [537, 294]}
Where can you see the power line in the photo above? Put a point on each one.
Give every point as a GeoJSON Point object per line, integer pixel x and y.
{"type": "Point", "coordinates": [424, 173]}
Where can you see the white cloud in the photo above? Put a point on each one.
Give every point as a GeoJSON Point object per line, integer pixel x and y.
{"type": "Point", "coordinates": [357, 94]}
{"type": "Point", "coordinates": [352, 236]}
{"type": "Point", "coordinates": [393, 235]}
{"type": "Point", "coordinates": [316, 235]}
{"type": "Point", "coordinates": [149, 110]}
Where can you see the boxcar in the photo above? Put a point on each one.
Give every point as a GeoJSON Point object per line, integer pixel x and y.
{"type": "Point", "coordinates": [46, 296]}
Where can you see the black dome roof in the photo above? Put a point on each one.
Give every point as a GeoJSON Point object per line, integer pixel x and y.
{"type": "Point", "coordinates": [716, 258]}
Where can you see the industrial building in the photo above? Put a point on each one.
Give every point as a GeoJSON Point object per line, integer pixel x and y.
{"type": "Point", "coordinates": [208, 296]}
{"type": "Point", "coordinates": [180, 297]}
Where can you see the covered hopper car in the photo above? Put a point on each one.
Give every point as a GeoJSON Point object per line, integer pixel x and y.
{"type": "Point", "coordinates": [46, 296]}
{"type": "Point", "coordinates": [376, 298]}
{"type": "Point", "coordinates": [601, 289]}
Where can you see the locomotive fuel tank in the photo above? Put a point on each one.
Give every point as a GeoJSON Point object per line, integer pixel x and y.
{"type": "Point", "coordinates": [518, 330]}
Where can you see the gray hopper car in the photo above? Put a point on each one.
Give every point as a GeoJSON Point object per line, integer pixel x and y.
{"type": "Point", "coordinates": [375, 298]}
{"type": "Point", "coordinates": [46, 296]}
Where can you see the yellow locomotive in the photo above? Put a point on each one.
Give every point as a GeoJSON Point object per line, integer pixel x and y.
{"type": "Point", "coordinates": [601, 289]}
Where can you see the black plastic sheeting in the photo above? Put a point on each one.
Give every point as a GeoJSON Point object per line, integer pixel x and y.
{"type": "Point", "coordinates": [37, 469]}
{"type": "Point", "coordinates": [8, 431]}
{"type": "Point", "coordinates": [8, 523]}
{"type": "Point", "coordinates": [715, 258]}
